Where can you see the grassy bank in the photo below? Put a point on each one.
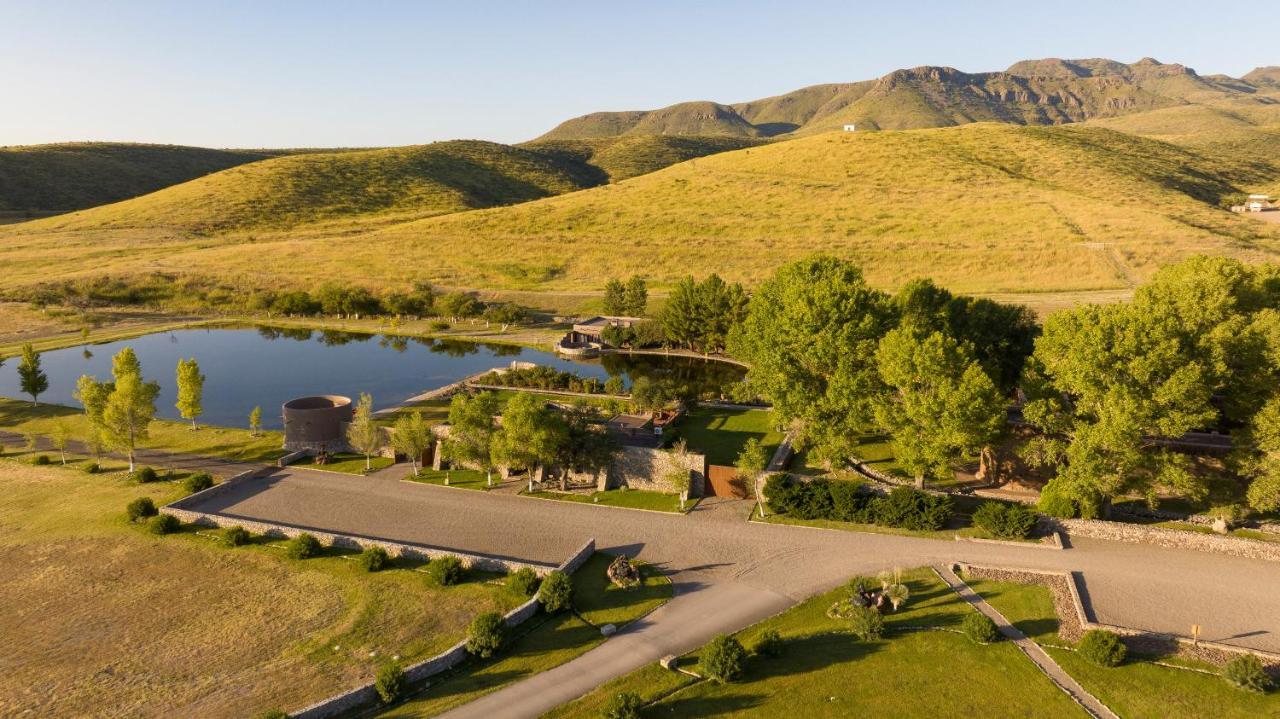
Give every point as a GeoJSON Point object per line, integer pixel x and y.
{"type": "Point", "coordinates": [721, 433]}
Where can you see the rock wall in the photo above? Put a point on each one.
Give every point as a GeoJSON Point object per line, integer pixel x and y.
{"type": "Point", "coordinates": [1169, 538]}
{"type": "Point", "coordinates": [646, 468]}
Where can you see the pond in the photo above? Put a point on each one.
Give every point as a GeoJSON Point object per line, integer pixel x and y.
{"type": "Point", "coordinates": [262, 366]}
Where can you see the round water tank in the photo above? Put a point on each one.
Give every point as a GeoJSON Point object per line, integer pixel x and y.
{"type": "Point", "coordinates": [317, 423]}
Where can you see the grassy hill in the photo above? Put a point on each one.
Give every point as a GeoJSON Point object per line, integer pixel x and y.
{"type": "Point", "coordinates": [984, 208]}
{"type": "Point", "coordinates": [687, 118]}
{"type": "Point", "coordinates": [620, 158]}
{"type": "Point", "coordinates": [73, 176]}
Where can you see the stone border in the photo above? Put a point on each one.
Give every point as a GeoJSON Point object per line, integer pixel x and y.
{"type": "Point", "coordinates": [1074, 622]}
{"type": "Point", "coordinates": [366, 694]}
{"type": "Point", "coordinates": [1168, 538]}
{"type": "Point", "coordinates": [1052, 540]}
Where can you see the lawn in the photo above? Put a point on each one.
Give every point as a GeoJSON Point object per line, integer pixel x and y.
{"type": "Point", "coordinates": [629, 498]}
{"type": "Point", "coordinates": [875, 450]}
{"type": "Point", "coordinates": [1129, 688]}
{"type": "Point", "coordinates": [823, 671]}
{"type": "Point", "coordinates": [165, 435]}
{"type": "Point", "coordinates": [464, 478]}
{"type": "Point", "coordinates": [100, 613]}
{"type": "Point", "coordinates": [547, 641]}
{"type": "Point", "coordinates": [721, 433]}
{"type": "Point", "coordinates": [347, 463]}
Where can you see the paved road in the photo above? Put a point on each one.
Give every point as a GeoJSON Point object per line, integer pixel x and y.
{"type": "Point", "coordinates": [730, 573]}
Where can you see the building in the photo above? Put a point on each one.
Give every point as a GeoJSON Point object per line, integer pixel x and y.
{"type": "Point", "coordinates": [850, 128]}
{"type": "Point", "coordinates": [584, 339]}
{"type": "Point", "coordinates": [1258, 203]}
{"type": "Point", "coordinates": [317, 424]}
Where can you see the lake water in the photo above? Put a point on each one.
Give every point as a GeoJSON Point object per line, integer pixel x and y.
{"type": "Point", "coordinates": [265, 367]}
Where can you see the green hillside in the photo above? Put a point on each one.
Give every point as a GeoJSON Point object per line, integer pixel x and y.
{"type": "Point", "coordinates": [73, 176]}
{"type": "Point", "coordinates": [687, 118]}
{"type": "Point", "coordinates": [623, 157]}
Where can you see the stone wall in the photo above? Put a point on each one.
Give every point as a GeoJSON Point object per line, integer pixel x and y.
{"type": "Point", "coordinates": [1169, 538]}
{"type": "Point", "coordinates": [646, 468]}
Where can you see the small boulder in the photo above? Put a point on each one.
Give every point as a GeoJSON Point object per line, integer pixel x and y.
{"type": "Point", "coordinates": [608, 630]}
{"type": "Point", "coordinates": [624, 573]}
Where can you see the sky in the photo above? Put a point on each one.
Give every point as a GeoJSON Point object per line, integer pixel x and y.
{"type": "Point", "coordinates": [362, 74]}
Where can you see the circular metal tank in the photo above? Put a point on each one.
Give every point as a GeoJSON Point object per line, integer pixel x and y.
{"type": "Point", "coordinates": [316, 423]}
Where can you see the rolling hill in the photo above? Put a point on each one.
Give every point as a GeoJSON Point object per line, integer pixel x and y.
{"type": "Point", "coordinates": [628, 156]}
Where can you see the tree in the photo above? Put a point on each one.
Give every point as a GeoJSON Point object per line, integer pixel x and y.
{"type": "Point", "coordinates": [680, 317]}
{"type": "Point", "coordinates": [679, 480]}
{"type": "Point", "coordinates": [752, 461]}
{"type": "Point", "coordinates": [556, 592]}
{"type": "Point", "coordinates": [504, 313]}
{"type": "Point", "coordinates": [389, 682]}
{"type": "Point", "coordinates": [810, 337]}
{"type": "Point", "coordinates": [471, 431]}
{"type": "Point", "coordinates": [459, 304]}
{"type": "Point", "coordinates": [615, 297]}
{"type": "Point", "coordinates": [129, 407]}
{"type": "Point", "coordinates": [411, 437]}
{"type": "Point", "coordinates": [635, 297]}
{"type": "Point", "coordinates": [190, 390]}
{"type": "Point", "coordinates": [723, 659]}
{"type": "Point", "coordinates": [586, 448]}
{"type": "Point", "coordinates": [485, 635]}
{"type": "Point", "coordinates": [61, 437]}
{"type": "Point", "coordinates": [532, 435]}
{"type": "Point", "coordinates": [720, 307]}
{"type": "Point", "coordinates": [363, 434]}
{"type": "Point", "coordinates": [32, 379]}
{"type": "Point", "coordinates": [941, 405]}
{"type": "Point", "coordinates": [255, 421]}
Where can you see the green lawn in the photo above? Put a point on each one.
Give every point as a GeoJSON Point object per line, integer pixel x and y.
{"type": "Point", "coordinates": [875, 450]}
{"type": "Point", "coordinates": [165, 435]}
{"type": "Point", "coordinates": [629, 498]}
{"type": "Point", "coordinates": [464, 478]}
{"type": "Point", "coordinates": [721, 433]}
{"type": "Point", "coordinates": [1128, 689]}
{"type": "Point", "coordinates": [546, 642]}
{"type": "Point", "coordinates": [347, 463]}
{"type": "Point", "coordinates": [824, 672]}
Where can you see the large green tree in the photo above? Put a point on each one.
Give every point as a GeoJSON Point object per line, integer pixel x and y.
{"type": "Point", "coordinates": [636, 296]}
{"type": "Point", "coordinates": [30, 376]}
{"type": "Point", "coordinates": [615, 297]}
{"type": "Point", "coordinates": [472, 429]}
{"type": "Point", "coordinates": [531, 434]}
{"type": "Point", "coordinates": [411, 436]}
{"type": "Point", "coordinates": [364, 434]}
{"type": "Point", "coordinates": [190, 402]}
{"type": "Point", "coordinates": [129, 406]}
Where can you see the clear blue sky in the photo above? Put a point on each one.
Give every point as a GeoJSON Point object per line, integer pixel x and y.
{"type": "Point", "coordinates": [275, 74]}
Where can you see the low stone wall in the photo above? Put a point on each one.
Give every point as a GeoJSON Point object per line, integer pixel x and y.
{"type": "Point", "coordinates": [292, 457]}
{"type": "Point", "coordinates": [1169, 538]}
{"type": "Point", "coordinates": [646, 468]}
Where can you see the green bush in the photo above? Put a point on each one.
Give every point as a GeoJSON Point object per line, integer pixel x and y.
{"type": "Point", "coordinates": [1102, 648]}
{"type": "Point", "coordinates": [866, 623]}
{"type": "Point", "coordinates": [723, 658]}
{"type": "Point", "coordinates": [389, 682]}
{"type": "Point", "coordinates": [303, 546]}
{"type": "Point", "coordinates": [523, 581]}
{"type": "Point", "coordinates": [485, 635]}
{"type": "Point", "coordinates": [163, 524]}
{"type": "Point", "coordinates": [979, 628]}
{"type": "Point", "coordinates": [143, 475]}
{"type": "Point", "coordinates": [446, 570]}
{"type": "Point", "coordinates": [140, 508]}
{"type": "Point", "coordinates": [271, 714]}
{"type": "Point", "coordinates": [1007, 521]}
{"type": "Point", "coordinates": [40, 460]}
{"type": "Point", "coordinates": [626, 705]}
{"type": "Point", "coordinates": [438, 326]}
{"type": "Point", "coordinates": [556, 592]}
{"type": "Point", "coordinates": [235, 536]}
{"type": "Point", "coordinates": [1246, 672]}
{"type": "Point", "coordinates": [1055, 503]}
{"type": "Point", "coordinates": [374, 558]}
{"type": "Point", "coordinates": [768, 644]}
{"type": "Point", "coordinates": [911, 508]}
{"type": "Point", "coordinates": [198, 482]}
{"type": "Point", "coordinates": [92, 468]}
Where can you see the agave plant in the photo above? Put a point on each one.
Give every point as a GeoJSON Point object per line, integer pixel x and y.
{"type": "Point", "coordinates": [897, 594]}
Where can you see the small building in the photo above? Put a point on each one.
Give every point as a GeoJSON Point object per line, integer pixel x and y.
{"type": "Point", "coordinates": [850, 128]}
{"type": "Point", "coordinates": [1258, 203]}
{"type": "Point", "coordinates": [584, 339]}
{"type": "Point", "coordinates": [317, 424]}
{"type": "Point", "coordinates": [632, 427]}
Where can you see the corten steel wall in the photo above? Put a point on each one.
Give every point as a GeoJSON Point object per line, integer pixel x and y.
{"type": "Point", "coordinates": [313, 423]}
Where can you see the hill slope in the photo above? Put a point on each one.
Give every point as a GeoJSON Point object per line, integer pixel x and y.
{"type": "Point", "coordinates": [627, 156]}
{"type": "Point", "coordinates": [73, 176]}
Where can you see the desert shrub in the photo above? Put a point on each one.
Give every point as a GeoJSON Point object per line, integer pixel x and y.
{"type": "Point", "coordinates": [768, 644]}
{"type": "Point", "coordinates": [523, 581]}
{"type": "Point", "coordinates": [485, 635]}
{"type": "Point", "coordinates": [303, 546]}
{"type": "Point", "coordinates": [1246, 672]}
{"type": "Point", "coordinates": [626, 705]}
{"type": "Point", "coordinates": [1055, 503]}
{"type": "Point", "coordinates": [446, 570]}
{"type": "Point", "coordinates": [197, 482]}
{"type": "Point", "coordinates": [389, 682]}
{"type": "Point", "coordinates": [271, 714]}
{"type": "Point", "coordinates": [143, 475]}
{"type": "Point", "coordinates": [979, 628]}
{"type": "Point", "coordinates": [556, 592]}
{"type": "Point", "coordinates": [235, 536]}
{"type": "Point", "coordinates": [1102, 648]}
{"type": "Point", "coordinates": [92, 468]}
{"type": "Point", "coordinates": [41, 460]}
{"type": "Point", "coordinates": [163, 524]}
{"type": "Point", "coordinates": [866, 623]}
{"type": "Point", "coordinates": [911, 508]}
{"type": "Point", "coordinates": [374, 558]}
{"type": "Point", "coordinates": [1007, 521]}
{"type": "Point", "coordinates": [140, 508]}
{"type": "Point", "coordinates": [723, 658]}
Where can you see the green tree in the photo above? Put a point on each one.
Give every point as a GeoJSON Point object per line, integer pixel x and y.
{"type": "Point", "coordinates": [32, 379]}
{"type": "Point", "coordinates": [458, 304]}
{"type": "Point", "coordinates": [720, 307]}
{"type": "Point", "coordinates": [1260, 461]}
{"type": "Point", "coordinates": [941, 405]}
{"type": "Point", "coordinates": [190, 390]}
{"type": "Point", "coordinates": [61, 437]}
{"type": "Point", "coordinates": [681, 322]}
{"type": "Point", "coordinates": [615, 297]}
{"type": "Point", "coordinates": [810, 336]}
{"type": "Point", "coordinates": [723, 659]}
{"type": "Point", "coordinates": [531, 436]}
{"type": "Point", "coordinates": [751, 464]}
{"type": "Point", "coordinates": [255, 421]}
{"type": "Point", "coordinates": [471, 431]}
{"type": "Point", "coordinates": [635, 297]}
{"type": "Point", "coordinates": [363, 434]}
{"type": "Point", "coordinates": [411, 437]}
{"type": "Point", "coordinates": [586, 447]}
{"type": "Point", "coordinates": [130, 404]}
{"type": "Point", "coordinates": [486, 634]}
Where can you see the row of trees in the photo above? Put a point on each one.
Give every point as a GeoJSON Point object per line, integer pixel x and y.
{"type": "Point", "coordinates": [419, 301]}
{"type": "Point", "coordinates": [629, 299]}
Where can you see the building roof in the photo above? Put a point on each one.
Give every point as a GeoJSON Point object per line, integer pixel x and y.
{"type": "Point", "coordinates": [630, 421]}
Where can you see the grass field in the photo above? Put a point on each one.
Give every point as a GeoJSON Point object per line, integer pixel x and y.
{"type": "Point", "coordinates": [721, 433]}
{"type": "Point", "coordinates": [824, 672]}
{"type": "Point", "coordinates": [548, 641]}
{"type": "Point", "coordinates": [1129, 688]}
{"type": "Point", "coordinates": [104, 617]}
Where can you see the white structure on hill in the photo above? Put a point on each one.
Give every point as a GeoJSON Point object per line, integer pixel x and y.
{"type": "Point", "coordinates": [1258, 203]}
{"type": "Point", "coordinates": [850, 128]}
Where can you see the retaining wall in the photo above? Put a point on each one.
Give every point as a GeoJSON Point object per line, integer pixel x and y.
{"type": "Point", "coordinates": [1169, 538]}
{"type": "Point", "coordinates": [645, 468]}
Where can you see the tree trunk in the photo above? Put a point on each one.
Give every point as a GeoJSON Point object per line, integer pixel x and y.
{"type": "Point", "coordinates": [919, 481]}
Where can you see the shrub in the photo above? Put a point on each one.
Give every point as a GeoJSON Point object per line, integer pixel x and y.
{"type": "Point", "coordinates": [303, 546]}
{"type": "Point", "coordinates": [1102, 648]}
{"type": "Point", "coordinates": [849, 501]}
{"type": "Point", "coordinates": [626, 705]}
{"type": "Point", "coordinates": [143, 475]}
{"type": "Point", "coordinates": [140, 508]}
{"type": "Point", "coordinates": [524, 581]}
{"type": "Point", "coordinates": [439, 326]}
{"type": "Point", "coordinates": [92, 468]}
{"type": "Point", "coordinates": [374, 558]}
{"type": "Point", "coordinates": [198, 482]}
{"type": "Point", "coordinates": [911, 508]}
{"type": "Point", "coordinates": [163, 524]}
{"type": "Point", "coordinates": [1055, 503]}
{"type": "Point", "coordinates": [235, 536]}
{"type": "Point", "coordinates": [1007, 521]}
{"type": "Point", "coordinates": [866, 623]}
{"type": "Point", "coordinates": [979, 628]}
{"type": "Point", "coordinates": [389, 682]}
{"type": "Point", "coordinates": [556, 592]}
{"type": "Point", "coordinates": [723, 658]}
{"type": "Point", "coordinates": [446, 570]}
{"type": "Point", "coordinates": [485, 635]}
{"type": "Point", "coordinates": [41, 460]}
{"type": "Point", "coordinates": [1246, 672]}
{"type": "Point", "coordinates": [271, 714]}
{"type": "Point", "coordinates": [768, 644]}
